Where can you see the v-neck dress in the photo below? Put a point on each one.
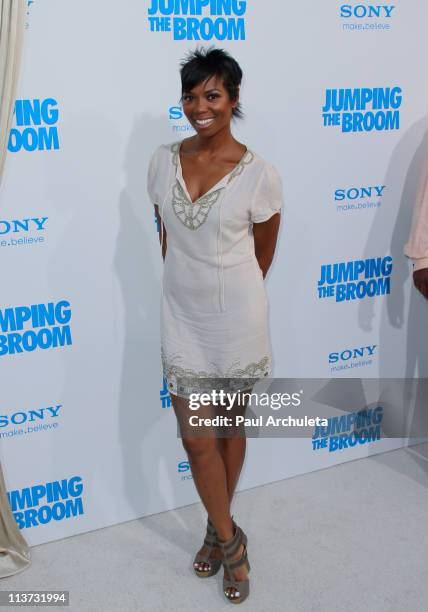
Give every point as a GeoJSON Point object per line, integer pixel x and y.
{"type": "Point", "coordinates": [214, 308]}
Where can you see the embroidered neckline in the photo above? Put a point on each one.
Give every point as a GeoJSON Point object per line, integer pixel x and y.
{"type": "Point", "coordinates": [194, 214]}
{"type": "Point", "coordinates": [246, 159]}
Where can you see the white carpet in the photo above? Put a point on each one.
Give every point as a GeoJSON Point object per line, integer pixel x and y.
{"type": "Point", "coordinates": [348, 538]}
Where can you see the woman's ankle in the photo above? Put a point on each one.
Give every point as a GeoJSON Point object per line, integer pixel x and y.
{"type": "Point", "coordinates": [225, 534]}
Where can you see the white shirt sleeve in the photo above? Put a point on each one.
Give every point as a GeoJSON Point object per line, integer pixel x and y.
{"type": "Point", "coordinates": [268, 195]}
{"type": "Point", "coordinates": [153, 178]}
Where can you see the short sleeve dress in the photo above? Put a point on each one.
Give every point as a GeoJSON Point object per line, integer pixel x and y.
{"type": "Point", "coordinates": [214, 309]}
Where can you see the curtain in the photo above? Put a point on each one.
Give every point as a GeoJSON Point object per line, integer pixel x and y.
{"type": "Point", "coordinates": [14, 552]}
{"type": "Point", "coordinates": [12, 23]}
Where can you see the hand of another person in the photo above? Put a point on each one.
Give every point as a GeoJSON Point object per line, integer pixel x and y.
{"type": "Point", "coordinates": [420, 278]}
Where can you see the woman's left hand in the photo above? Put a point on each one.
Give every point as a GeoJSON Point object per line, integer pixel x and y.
{"type": "Point", "coordinates": [265, 237]}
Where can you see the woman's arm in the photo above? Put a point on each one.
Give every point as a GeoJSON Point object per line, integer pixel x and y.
{"type": "Point", "coordinates": [161, 229]}
{"type": "Point", "coordinates": [417, 244]}
{"type": "Point", "coordinates": [265, 237]}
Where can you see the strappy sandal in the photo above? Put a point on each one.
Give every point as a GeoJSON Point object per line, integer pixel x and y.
{"type": "Point", "coordinates": [210, 542]}
{"type": "Point", "coordinates": [229, 549]}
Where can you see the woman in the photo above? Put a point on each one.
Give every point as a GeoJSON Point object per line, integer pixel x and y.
{"type": "Point", "coordinates": [217, 205]}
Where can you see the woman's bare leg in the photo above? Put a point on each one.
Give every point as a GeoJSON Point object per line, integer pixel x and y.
{"type": "Point", "coordinates": [233, 445]}
{"type": "Point", "coordinates": [232, 451]}
{"type": "Point", "coordinates": [216, 463]}
{"type": "Point", "coordinates": [206, 464]}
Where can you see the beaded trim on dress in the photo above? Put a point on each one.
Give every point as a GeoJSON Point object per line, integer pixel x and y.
{"type": "Point", "coordinates": [201, 381]}
{"type": "Point", "coordinates": [193, 215]}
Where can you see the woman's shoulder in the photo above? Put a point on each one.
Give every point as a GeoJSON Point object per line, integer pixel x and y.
{"type": "Point", "coordinates": [259, 160]}
{"type": "Point", "coordinates": [165, 153]}
{"type": "Point", "coordinates": [262, 167]}
{"type": "Point", "coordinates": [166, 149]}
{"type": "Point", "coordinates": [161, 170]}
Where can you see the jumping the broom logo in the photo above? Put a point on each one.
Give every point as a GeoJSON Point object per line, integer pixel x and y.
{"type": "Point", "coordinates": [363, 110]}
{"type": "Point", "coordinates": [52, 501]}
{"type": "Point", "coordinates": [35, 126]}
{"type": "Point", "coordinates": [199, 19]}
{"type": "Point", "coordinates": [40, 326]}
{"type": "Point", "coordinates": [349, 430]}
{"type": "Point", "coordinates": [355, 280]}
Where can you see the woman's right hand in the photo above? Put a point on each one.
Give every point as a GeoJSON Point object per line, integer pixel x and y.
{"type": "Point", "coordinates": [162, 231]}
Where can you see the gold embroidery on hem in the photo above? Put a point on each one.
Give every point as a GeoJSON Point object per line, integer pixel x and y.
{"type": "Point", "coordinates": [231, 379]}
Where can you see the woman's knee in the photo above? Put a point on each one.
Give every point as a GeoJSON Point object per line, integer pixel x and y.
{"type": "Point", "coordinates": [199, 449]}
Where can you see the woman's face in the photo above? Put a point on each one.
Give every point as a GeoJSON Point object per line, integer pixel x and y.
{"type": "Point", "coordinates": [208, 106]}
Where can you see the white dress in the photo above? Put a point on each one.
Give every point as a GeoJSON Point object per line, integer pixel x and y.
{"type": "Point", "coordinates": [214, 309]}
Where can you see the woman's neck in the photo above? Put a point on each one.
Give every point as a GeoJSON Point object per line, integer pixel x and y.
{"type": "Point", "coordinates": [212, 144]}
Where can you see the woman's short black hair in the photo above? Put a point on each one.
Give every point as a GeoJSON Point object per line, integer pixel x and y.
{"type": "Point", "coordinates": [204, 63]}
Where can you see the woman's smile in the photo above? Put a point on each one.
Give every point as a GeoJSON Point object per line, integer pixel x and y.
{"type": "Point", "coordinates": [204, 123]}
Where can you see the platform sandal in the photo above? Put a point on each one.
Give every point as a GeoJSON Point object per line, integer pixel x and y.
{"type": "Point", "coordinates": [229, 550]}
{"type": "Point", "coordinates": [210, 542]}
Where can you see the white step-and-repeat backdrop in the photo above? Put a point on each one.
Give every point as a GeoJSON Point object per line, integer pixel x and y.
{"type": "Point", "coordinates": [334, 95]}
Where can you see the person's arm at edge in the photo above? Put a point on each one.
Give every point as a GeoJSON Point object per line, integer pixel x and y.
{"type": "Point", "coordinates": [265, 239]}
{"type": "Point", "coordinates": [417, 245]}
